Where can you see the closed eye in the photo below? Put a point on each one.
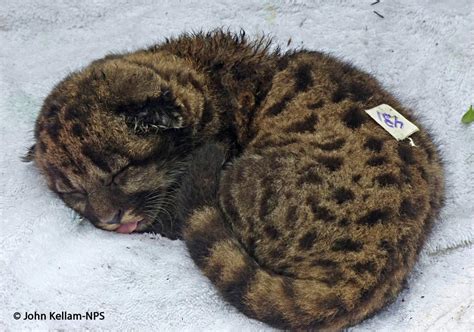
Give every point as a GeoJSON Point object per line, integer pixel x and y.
{"type": "Point", "coordinates": [76, 200]}
{"type": "Point", "coordinates": [63, 189]}
{"type": "Point", "coordinates": [73, 198]}
{"type": "Point", "coordinates": [73, 192]}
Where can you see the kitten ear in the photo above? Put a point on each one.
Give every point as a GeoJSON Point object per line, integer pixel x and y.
{"type": "Point", "coordinates": [29, 156]}
{"type": "Point", "coordinates": [152, 114]}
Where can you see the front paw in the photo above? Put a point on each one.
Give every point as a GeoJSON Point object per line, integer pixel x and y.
{"type": "Point", "coordinates": [200, 182]}
{"type": "Point", "coordinates": [209, 158]}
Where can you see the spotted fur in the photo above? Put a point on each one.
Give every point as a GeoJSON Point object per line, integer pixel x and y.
{"type": "Point", "coordinates": [300, 209]}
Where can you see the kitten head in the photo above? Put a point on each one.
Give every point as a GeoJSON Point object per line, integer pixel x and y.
{"type": "Point", "coordinates": [112, 139]}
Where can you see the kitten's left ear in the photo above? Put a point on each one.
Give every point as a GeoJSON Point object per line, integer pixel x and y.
{"type": "Point", "coordinates": [155, 113]}
{"type": "Point", "coordinates": [29, 156]}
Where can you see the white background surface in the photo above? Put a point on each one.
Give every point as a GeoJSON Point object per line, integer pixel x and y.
{"type": "Point", "coordinates": [423, 51]}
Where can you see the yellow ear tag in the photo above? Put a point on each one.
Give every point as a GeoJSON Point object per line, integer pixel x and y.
{"type": "Point", "coordinates": [392, 121]}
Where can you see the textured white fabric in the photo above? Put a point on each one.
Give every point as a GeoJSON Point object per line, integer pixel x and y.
{"type": "Point", "coordinates": [422, 50]}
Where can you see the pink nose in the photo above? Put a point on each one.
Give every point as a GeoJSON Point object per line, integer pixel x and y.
{"type": "Point", "coordinates": [115, 219]}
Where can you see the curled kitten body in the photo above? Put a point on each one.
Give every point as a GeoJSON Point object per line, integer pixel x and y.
{"type": "Point", "coordinates": [300, 209]}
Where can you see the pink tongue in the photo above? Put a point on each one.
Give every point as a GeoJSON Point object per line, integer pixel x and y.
{"type": "Point", "coordinates": [127, 228]}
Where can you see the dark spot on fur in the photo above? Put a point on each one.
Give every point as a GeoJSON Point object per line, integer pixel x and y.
{"type": "Point", "coordinates": [280, 106]}
{"type": "Point", "coordinates": [374, 217]}
{"type": "Point", "coordinates": [408, 209]}
{"type": "Point", "coordinates": [406, 154]}
{"type": "Point", "coordinates": [53, 129]}
{"type": "Point", "coordinates": [183, 78]}
{"type": "Point", "coordinates": [275, 254]}
{"type": "Point", "coordinates": [334, 302]}
{"type": "Point", "coordinates": [303, 77]}
{"type": "Point", "coordinates": [291, 213]}
{"type": "Point", "coordinates": [217, 65]}
{"type": "Point", "coordinates": [241, 72]}
{"type": "Point", "coordinates": [387, 179]}
{"type": "Point", "coordinates": [196, 84]}
{"type": "Point", "coordinates": [236, 289]}
{"type": "Point", "coordinates": [354, 118]}
{"type": "Point", "coordinates": [405, 173]}
{"type": "Point", "coordinates": [346, 244]}
{"type": "Point", "coordinates": [214, 272]}
{"type": "Point", "coordinates": [374, 144]}
{"type": "Point", "coordinates": [307, 241]}
{"type": "Point", "coordinates": [201, 242]}
{"type": "Point", "coordinates": [207, 114]}
{"type": "Point", "coordinates": [333, 277]}
{"type": "Point", "coordinates": [324, 263]}
{"type": "Point", "coordinates": [77, 130]}
{"type": "Point", "coordinates": [342, 195]}
{"type": "Point", "coordinates": [324, 214]}
{"type": "Point", "coordinates": [271, 232]}
{"type": "Point", "coordinates": [285, 142]}
{"type": "Point", "coordinates": [338, 95]}
{"type": "Point", "coordinates": [316, 105]}
{"type": "Point", "coordinates": [393, 259]}
{"type": "Point", "coordinates": [265, 203]}
{"type": "Point", "coordinates": [334, 145]}
{"type": "Point", "coordinates": [312, 202]}
{"type": "Point", "coordinates": [310, 177]}
{"type": "Point", "coordinates": [365, 295]}
{"type": "Point", "coordinates": [53, 110]}
{"type": "Point", "coordinates": [274, 317]}
{"type": "Point", "coordinates": [298, 259]}
{"type": "Point", "coordinates": [359, 91]}
{"type": "Point", "coordinates": [343, 222]}
{"type": "Point", "coordinates": [73, 113]}
{"type": "Point", "coordinates": [423, 173]}
{"type": "Point", "coordinates": [283, 62]}
{"type": "Point", "coordinates": [376, 161]}
{"type": "Point", "coordinates": [331, 163]}
{"type": "Point", "coordinates": [365, 267]}
{"type": "Point", "coordinates": [288, 286]}
{"type": "Point", "coordinates": [304, 126]}
{"type": "Point", "coordinates": [356, 178]}
{"type": "Point", "coordinates": [96, 157]}
{"type": "Point", "coordinates": [320, 212]}
{"type": "Point", "coordinates": [386, 246]}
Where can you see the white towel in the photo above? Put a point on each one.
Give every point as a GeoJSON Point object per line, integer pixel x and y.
{"type": "Point", "coordinates": [423, 51]}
